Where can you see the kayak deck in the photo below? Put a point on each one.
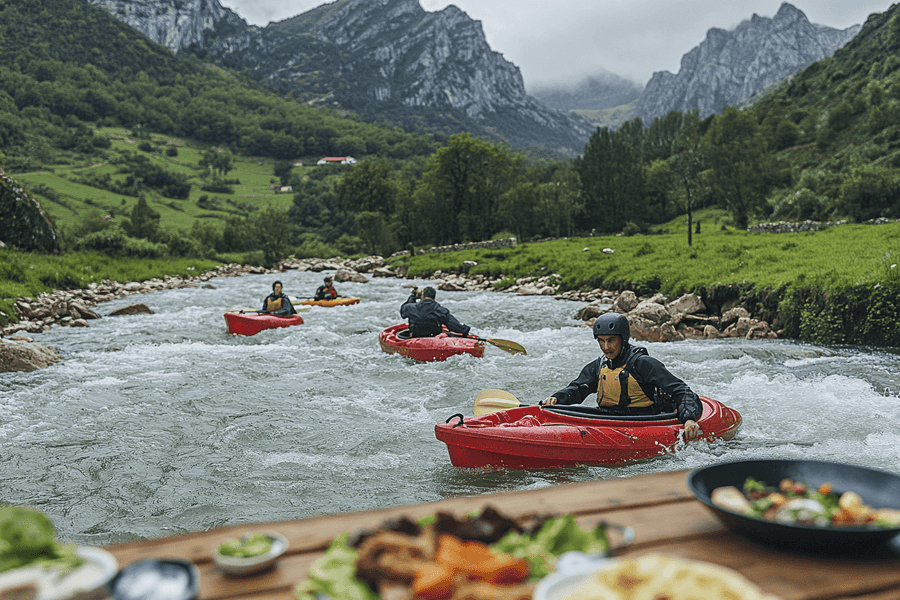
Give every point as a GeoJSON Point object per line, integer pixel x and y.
{"type": "Point", "coordinates": [253, 323]}
{"type": "Point", "coordinates": [332, 302]}
{"type": "Point", "coordinates": [534, 437]}
{"type": "Point", "coordinates": [395, 340]}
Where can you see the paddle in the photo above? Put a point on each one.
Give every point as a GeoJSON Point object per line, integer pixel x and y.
{"type": "Point", "coordinates": [491, 401]}
{"type": "Point", "coordinates": [505, 345]}
{"type": "Point", "coordinates": [233, 309]}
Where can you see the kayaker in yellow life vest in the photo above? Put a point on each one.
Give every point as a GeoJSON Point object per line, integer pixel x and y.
{"type": "Point", "coordinates": [629, 381]}
{"type": "Point", "coordinates": [277, 303]}
{"type": "Point", "coordinates": [326, 291]}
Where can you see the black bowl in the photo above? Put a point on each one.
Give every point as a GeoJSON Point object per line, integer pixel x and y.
{"type": "Point", "coordinates": [163, 579]}
{"type": "Point", "coordinates": [878, 489]}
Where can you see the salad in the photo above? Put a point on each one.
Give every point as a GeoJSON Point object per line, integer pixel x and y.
{"type": "Point", "coordinates": [488, 553]}
{"type": "Point", "coordinates": [796, 503]}
{"type": "Point", "coordinates": [28, 538]}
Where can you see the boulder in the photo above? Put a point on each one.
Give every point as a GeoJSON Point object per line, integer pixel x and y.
{"type": "Point", "coordinates": [710, 332]}
{"type": "Point", "coordinates": [648, 331]}
{"type": "Point", "coordinates": [626, 302]}
{"type": "Point", "coordinates": [79, 310]}
{"type": "Point", "coordinates": [651, 311]}
{"type": "Point", "coordinates": [589, 312]}
{"type": "Point", "coordinates": [738, 329]}
{"type": "Point", "coordinates": [687, 304]}
{"type": "Point", "coordinates": [25, 356]}
{"type": "Point", "coordinates": [344, 274]}
{"type": "Point", "coordinates": [731, 316]}
{"type": "Point", "coordinates": [134, 309]}
{"type": "Point", "coordinates": [384, 272]}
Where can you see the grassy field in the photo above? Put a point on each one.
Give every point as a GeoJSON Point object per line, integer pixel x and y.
{"type": "Point", "coordinates": [27, 275]}
{"type": "Point", "coordinates": [74, 201]}
{"type": "Point", "coordinates": [834, 259]}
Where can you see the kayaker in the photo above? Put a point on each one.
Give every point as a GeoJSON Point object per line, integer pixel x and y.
{"type": "Point", "coordinates": [277, 303]}
{"type": "Point", "coordinates": [657, 390]}
{"type": "Point", "coordinates": [427, 316]}
{"type": "Point", "coordinates": [326, 291]}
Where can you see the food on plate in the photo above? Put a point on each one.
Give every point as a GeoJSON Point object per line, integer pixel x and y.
{"type": "Point", "coordinates": [483, 557]}
{"type": "Point", "coordinates": [653, 577]}
{"type": "Point", "coordinates": [795, 503]}
{"type": "Point", "coordinates": [246, 546]}
{"type": "Point", "coordinates": [28, 538]}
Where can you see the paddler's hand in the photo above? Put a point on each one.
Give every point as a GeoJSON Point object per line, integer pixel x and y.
{"type": "Point", "coordinates": [548, 402]}
{"type": "Point", "coordinates": [691, 430]}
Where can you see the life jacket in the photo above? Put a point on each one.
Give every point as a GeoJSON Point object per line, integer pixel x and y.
{"type": "Point", "coordinates": [426, 321]}
{"type": "Point", "coordinates": [613, 391]}
{"type": "Point", "coordinates": [273, 305]}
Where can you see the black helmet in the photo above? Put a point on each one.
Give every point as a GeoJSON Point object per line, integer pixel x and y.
{"type": "Point", "coordinates": [612, 323]}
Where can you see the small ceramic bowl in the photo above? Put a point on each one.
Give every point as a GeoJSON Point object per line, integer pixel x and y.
{"type": "Point", "coordinates": [234, 565]}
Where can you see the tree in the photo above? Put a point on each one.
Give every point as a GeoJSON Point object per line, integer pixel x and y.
{"type": "Point", "coordinates": [686, 163]}
{"type": "Point", "coordinates": [737, 156]}
{"type": "Point", "coordinates": [272, 234]}
{"type": "Point", "coordinates": [612, 181]}
{"type": "Point", "coordinates": [144, 222]}
{"type": "Point", "coordinates": [368, 186]}
{"type": "Point", "coordinates": [460, 187]}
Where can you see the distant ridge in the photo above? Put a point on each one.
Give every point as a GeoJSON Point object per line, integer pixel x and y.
{"type": "Point", "coordinates": [731, 66]}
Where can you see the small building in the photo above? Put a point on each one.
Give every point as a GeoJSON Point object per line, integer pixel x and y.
{"type": "Point", "coordinates": [337, 160]}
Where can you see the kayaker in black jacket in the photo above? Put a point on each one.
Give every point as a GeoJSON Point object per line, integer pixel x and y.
{"type": "Point", "coordinates": [629, 381]}
{"type": "Point", "coordinates": [427, 316]}
{"type": "Point", "coordinates": [326, 291]}
{"type": "Point", "coordinates": [277, 303]}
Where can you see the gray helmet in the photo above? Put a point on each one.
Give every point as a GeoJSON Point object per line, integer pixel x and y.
{"type": "Point", "coordinates": [612, 323]}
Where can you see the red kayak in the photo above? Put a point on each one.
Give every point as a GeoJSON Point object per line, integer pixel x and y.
{"type": "Point", "coordinates": [396, 340]}
{"type": "Point", "coordinates": [535, 437]}
{"type": "Point", "coordinates": [253, 323]}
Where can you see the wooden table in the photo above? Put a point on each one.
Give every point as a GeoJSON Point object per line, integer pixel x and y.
{"type": "Point", "coordinates": [665, 516]}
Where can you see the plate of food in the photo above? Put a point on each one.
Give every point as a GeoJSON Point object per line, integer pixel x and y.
{"type": "Point", "coordinates": [648, 576]}
{"type": "Point", "coordinates": [250, 554]}
{"type": "Point", "coordinates": [34, 564]}
{"type": "Point", "coordinates": [808, 505]}
{"type": "Point", "coordinates": [486, 555]}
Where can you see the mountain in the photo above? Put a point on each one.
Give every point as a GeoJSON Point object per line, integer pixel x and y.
{"type": "Point", "coordinates": [596, 92]}
{"type": "Point", "coordinates": [383, 59]}
{"type": "Point", "coordinates": [730, 66]}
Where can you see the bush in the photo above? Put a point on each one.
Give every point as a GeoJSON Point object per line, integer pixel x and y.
{"type": "Point", "coordinates": [171, 151]}
{"type": "Point", "coordinates": [114, 242]}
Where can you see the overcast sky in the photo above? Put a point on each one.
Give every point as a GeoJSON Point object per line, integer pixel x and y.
{"type": "Point", "coordinates": [559, 41]}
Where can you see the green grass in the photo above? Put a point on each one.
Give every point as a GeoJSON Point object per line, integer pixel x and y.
{"type": "Point", "coordinates": [71, 202]}
{"type": "Point", "coordinates": [833, 259]}
{"type": "Point", "coordinates": [27, 275]}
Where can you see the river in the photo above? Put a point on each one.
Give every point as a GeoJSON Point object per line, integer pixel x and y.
{"type": "Point", "coordinates": [154, 425]}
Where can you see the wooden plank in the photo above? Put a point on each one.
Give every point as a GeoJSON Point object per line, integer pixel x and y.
{"type": "Point", "coordinates": [313, 534]}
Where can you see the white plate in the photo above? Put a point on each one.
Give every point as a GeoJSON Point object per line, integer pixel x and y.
{"type": "Point", "coordinates": [87, 582]}
{"type": "Point", "coordinates": [572, 570]}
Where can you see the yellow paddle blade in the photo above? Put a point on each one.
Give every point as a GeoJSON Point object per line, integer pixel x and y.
{"type": "Point", "coordinates": [507, 346]}
{"type": "Point", "coordinates": [495, 394]}
{"type": "Point", "coordinates": [491, 401]}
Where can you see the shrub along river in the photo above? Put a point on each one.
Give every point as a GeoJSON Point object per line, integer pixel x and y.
{"type": "Point", "coordinates": [153, 425]}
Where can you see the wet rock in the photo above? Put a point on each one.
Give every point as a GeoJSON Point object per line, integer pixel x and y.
{"type": "Point", "coordinates": [384, 272]}
{"type": "Point", "coordinates": [710, 332]}
{"type": "Point", "coordinates": [345, 274]}
{"type": "Point", "coordinates": [651, 311]}
{"type": "Point", "coordinates": [731, 316]}
{"type": "Point", "coordinates": [25, 356]}
{"type": "Point", "coordinates": [738, 329]}
{"type": "Point", "coordinates": [626, 302]}
{"type": "Point", "coordinates": [134, 309]}
{"type": "Point", "coordinates": [687, 304]}
{"type": "Point", "coordinates": [589, 312]}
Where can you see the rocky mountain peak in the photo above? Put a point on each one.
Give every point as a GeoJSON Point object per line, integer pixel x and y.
{"type": "Point", "coordinates": [367, 55]}
{"type": "Point", "coordinates": [730, 66]}
{"type": "Point", "coordinates": [176, 25]}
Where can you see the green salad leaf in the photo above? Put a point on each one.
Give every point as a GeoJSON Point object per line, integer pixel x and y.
{"type": "Point", "coordinates": [28, 538]}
